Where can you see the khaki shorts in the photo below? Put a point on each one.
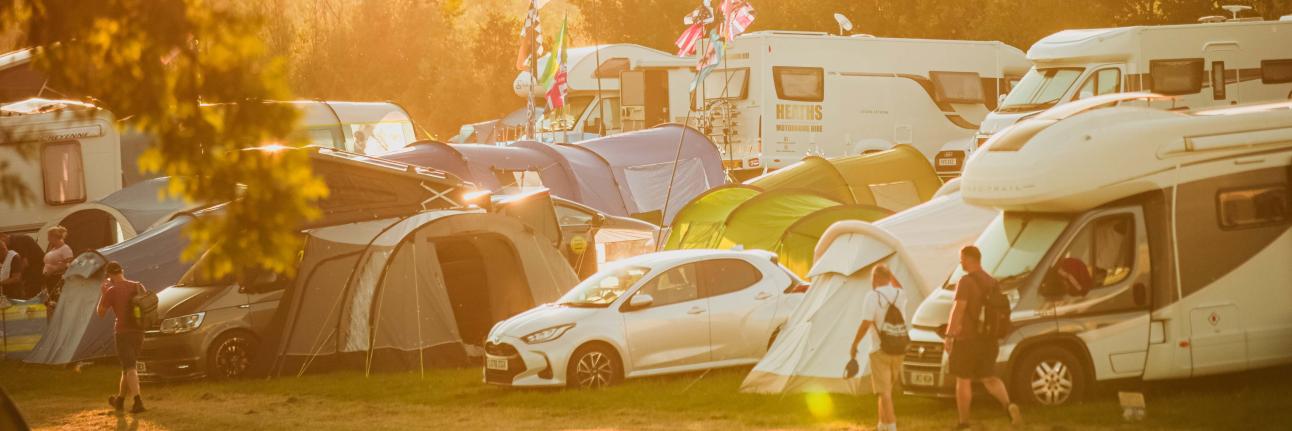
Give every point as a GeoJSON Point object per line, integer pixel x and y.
{"type": "Point", "coordinates": [885, 371]}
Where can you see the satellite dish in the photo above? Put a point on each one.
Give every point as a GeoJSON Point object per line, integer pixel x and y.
{"type": "Point", "coordinates": [844, 24]}
{"type": "Point", "coordinates": [1235, 9]}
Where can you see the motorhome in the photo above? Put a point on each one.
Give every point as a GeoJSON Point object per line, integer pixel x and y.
{"type": "Point", "coordinates": [1133, 243]}
{"type": "Point", "coordinates": [654, 86]}
{"type": "Point", "coordinates": [1221, 62]}
{"type": "Point", "coordinates": [778, 96]}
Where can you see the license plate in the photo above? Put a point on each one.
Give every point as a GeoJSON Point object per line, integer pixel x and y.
{"type": "Point", "coordinates": [499, 364]}
{"type": "Point", "coordinates": [140, 367]}
{"type": "Point", "coordinates": [922, 379]}
{"type": "Point", "coordinates": [947, 162]}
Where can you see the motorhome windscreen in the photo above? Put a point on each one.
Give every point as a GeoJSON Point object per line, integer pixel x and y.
{"type": "Point", "coordinates": [1013, 245]}
{"type": "Point", "coordinates": [727, 84]}
{"type": "Point", "coordinates": [563, 119]}
{"type": "Point", "coordinates": [1041, 88]}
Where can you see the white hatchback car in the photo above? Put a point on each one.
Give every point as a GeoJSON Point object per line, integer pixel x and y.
{"type": "Point", "coordinates": [665, 312]}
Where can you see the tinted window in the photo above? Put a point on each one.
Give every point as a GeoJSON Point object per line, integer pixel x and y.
{"type": "Point", "coordinates": [1276, 71]}
{"type": "Point", "coordinates": [679, 284]}
{"type": "Point", "coordinates": [1179, 76]}
{"type": "Point", "coordinates": [63, 172]}
{"type": "Point", "coordinates": [723, 276]}
{"type": "Point", "coordinates": [1252, 207]}
{"type": "Point", "coordinates": [803, 84]}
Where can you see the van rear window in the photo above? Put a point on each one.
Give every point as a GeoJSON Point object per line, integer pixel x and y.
{"type": "Point", "coordinates": [1276, 71]}
{"type": "Point", "coordinates": [801, 84]}
{"type": "Point", "coordinates": [1177, 76]}
{"type": "Point", "coordinates": [1253, 206]}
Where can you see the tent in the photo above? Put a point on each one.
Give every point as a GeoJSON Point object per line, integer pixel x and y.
{"type": "Point", "coordinates": [74, 332]}
{"type": "Point", "coordinates": [644, 168]}
{"type": "Point", "coordinates": [118, 216]}
{"type": "Point", "coordinates": [410, 292]}
{"type": "Point", "coordinates": [920, 245]}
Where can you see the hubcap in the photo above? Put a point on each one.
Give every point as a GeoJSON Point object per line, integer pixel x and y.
{"type": "Point", "coordinates": [232, 357]}
{"type": "Point", "coordinates": [1052, 382]}
{"type": "Point", "coordinates": [593, 370]}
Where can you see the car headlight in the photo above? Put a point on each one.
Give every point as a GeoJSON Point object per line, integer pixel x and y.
{"type": "Point", "coordinates": [545, 335]}
{"type": "Point", "coordinates": [182, 324]}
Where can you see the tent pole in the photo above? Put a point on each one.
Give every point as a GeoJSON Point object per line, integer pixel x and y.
{"type": "Point", "coordinates": [417, 297]}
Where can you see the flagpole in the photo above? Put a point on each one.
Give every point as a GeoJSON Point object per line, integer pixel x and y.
{"type": "Point", "coordinates": [596, 73]}
{"type": "Point", "coordinates": [530, 126]}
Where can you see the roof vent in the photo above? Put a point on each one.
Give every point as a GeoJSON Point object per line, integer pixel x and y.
{"type": "Point", "coordinates": [1211, 19]}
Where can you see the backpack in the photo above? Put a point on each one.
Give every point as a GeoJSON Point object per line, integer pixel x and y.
{"type": "Point", "coordinates": [143, 307]}
{"type": "Point", "coordinates": [893, 332]}
{"type": "Point", "coordinates": [993, 315]}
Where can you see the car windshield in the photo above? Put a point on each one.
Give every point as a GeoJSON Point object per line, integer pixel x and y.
{"type": "Point", "coordinates": [603, 288]}
{"type": "Point", "coordinates": [1040, 89]}
{"type": "Point", "coordinates": [202, 274]}
{"type": "Point", "coordinates": [1013, 245]}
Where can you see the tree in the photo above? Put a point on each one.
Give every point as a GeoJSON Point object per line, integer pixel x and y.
{"type": "Point", "coordinates": [163, 63]}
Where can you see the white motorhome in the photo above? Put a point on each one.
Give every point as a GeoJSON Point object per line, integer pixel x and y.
{"type": "Point", "coordinates": [779, 96]}
{"type": "Point", "coordinates": [1133, 243]}
{"type": "Point", "coordinates": [1223, 62]}
{"type": "Point", "coordinates": [654, 86]}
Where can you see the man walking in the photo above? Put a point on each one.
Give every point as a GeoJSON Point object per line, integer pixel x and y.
{"type": "Point", "coordinates": [885, 366]}
{"type": "Point", "coordinates": [116, 292]}
{"type": "Point", "coordinates": [972, 352]}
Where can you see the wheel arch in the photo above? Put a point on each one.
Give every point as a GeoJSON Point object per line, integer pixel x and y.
{"type": "Point", "coordinates": [1069, 342]}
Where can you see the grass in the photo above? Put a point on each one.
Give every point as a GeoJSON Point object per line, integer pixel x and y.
{"type": "Point", "coordinates": [58, 398]}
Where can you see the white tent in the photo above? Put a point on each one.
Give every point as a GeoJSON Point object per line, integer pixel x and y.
{"type": "Point", "coordinates": [921, 245]}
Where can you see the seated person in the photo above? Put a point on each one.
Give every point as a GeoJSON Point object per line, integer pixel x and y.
{"type": "Point", "coordinates": [1075, 276]}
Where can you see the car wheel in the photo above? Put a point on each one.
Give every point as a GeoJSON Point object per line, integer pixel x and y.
{"type": "Point", "coordinates": [1049, 376]}
{"type": "Point", "coordinates": [593, 367]}
{"type": "Point", "coordinates": [230, 356]}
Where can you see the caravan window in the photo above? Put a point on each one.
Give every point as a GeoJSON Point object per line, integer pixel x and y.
{"type": "Point", "coordinates": [1276, 71]}
{"type": "Point", "coordinates": [1176, 76]}
{"type": "Point", "coordinates": [957, 87]}
{"type": "Point", "coordinates": [63, 172]}
{"type": "Point", "coordinates": [1105, 81]}
{"type": "Point", "coordinates": [1041, 89]}
{"type": "Point", "coordinates": [1253, 206]}
{"type": "Point", "coordinates": [801, 84]}
{"type": "Point", "coordinates": [731, 84]}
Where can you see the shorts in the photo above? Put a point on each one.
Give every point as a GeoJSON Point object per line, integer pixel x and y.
{"type": "Point", "coordinates": [128, 346]}
{"type": "Point", "coordinates": [973, 358]}
{"type": "Point", "coordinates": [884, 371]}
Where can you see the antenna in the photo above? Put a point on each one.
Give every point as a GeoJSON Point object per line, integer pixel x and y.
{"type": "Point", "coordinates": [1235, 9]}
{"type": "Point", "coordinates": [844, 24]}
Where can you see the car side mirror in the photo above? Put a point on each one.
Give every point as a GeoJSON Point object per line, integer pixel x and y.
{"type": "Point", "coordinates": [640, 301]}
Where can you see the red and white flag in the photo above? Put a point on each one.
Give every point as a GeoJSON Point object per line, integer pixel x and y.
{"type": "Point", "coordinates": [737, 15]}
{"type": "Point", "coordinates": [556, 94]}
{"type": "Point", "coordinates": [686, 42]}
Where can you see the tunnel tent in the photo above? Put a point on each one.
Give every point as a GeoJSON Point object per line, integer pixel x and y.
{"type": "Point", "coordinates": [407, 293]}
{"type": "Point", "coordinates": [118, 216]}
{"type": "Point", "coordinates": [759, 222]}
{"type": "Point", "coordinates": [699, 223]}
{"type": "Point", "coordinates": [896, 179]}
{"type": "Point", "coordinates": [74, 332]}
{"type": "Point", "coordinates": [921, 245]}
{"type": "Point", "coordinates": [795, 248]}
{"type": "Point", "coordinates": [649, 168]}
{"type": "Point", "coordinates": [495, 168]}
{"type": "Point", "coordinates": [811, 173]}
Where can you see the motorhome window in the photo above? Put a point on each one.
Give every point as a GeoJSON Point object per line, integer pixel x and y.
{"type": "Point", "coordinates": [1013, 245]}
{"type": "Point", "coordinates": [378, 138]}
{"type": "Point", "coordinates": [800, 84]}
{"type": "Point", "coordinates": [957, 87]}
{"type": "Point", "coordinates": [723, 276]}
{"type": "Point", "coordinates": [678, 284]}
{"type": "Point", "coordinates": [1041, 89]}
{"type": "Point", "coordinates": [564, 118]}
{"type": "Point", "coordinates": [1100, 255]}
{"type": "Point", "coordinates": [732, 84]}
{"type": "Point", "coordinates": [1105, 81]}
{"type": "Point", "coordinates": [324, 137]}
{"type": "Point", "coordinates": [63, 172]}
{"type": "Point", "coordinates": [1276, 71]}
{"type": "Point", "coordinates": [593, 123]}
{"type": "Point", "coordinates": [1218, 80]}
{"type": "Point", "coordinates": [1176, 76]}
{"type": "Point", "coordinates": [1254, 206]}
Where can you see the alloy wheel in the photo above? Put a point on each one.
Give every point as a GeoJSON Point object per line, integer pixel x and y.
{"type": "Point", "coordinates": [594, 370]}
{"type": "Point", "coordinates": [233, 357]}
{"type": "Point", "coordinates": [1052, 382]}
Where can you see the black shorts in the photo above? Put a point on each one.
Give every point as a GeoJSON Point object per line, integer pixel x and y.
{"type": "Point", "coordinates": [128, 346]}
{"type": "Point", "coordinates": [973, 358]}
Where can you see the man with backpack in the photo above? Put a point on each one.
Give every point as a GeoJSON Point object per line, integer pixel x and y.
{"type": "Point", "coordinates": [130, 303]}
{"type": "Point", "coordinates": [884, 310]}
{"type": "Point", "coordinates": [979, 319]}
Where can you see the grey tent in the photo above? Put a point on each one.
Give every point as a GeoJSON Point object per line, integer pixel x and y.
{"type": "Point", "coordinates": [119, 216]}
{"type": "Point", "coordinates": [410, 292]}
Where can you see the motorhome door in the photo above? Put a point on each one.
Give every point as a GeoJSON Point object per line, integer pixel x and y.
{"type": "Point", "coordinates": [644, 98]}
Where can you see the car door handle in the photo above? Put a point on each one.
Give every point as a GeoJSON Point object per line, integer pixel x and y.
{"type": "Point", "coordinates": [695, 310]}
{"type": "Point", "coordinates": [762, 295]}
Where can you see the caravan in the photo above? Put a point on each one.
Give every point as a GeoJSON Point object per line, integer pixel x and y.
{"type": "Point", "coordinates": [1132, 243]}
{"type": "Point", "coordinates": [1220, 62]}
{"type": "Point", "coordinates": [779, 96]}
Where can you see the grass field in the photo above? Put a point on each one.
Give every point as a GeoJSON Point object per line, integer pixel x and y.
{"type": "Point", "coordinates": [57, 398]}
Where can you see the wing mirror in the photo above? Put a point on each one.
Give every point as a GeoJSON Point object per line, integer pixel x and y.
{"type": "Point", "coordinates": [640, 301]}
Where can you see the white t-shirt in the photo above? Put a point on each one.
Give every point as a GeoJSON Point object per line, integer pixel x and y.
{"type": "Point", "coordinates": [875, 307]}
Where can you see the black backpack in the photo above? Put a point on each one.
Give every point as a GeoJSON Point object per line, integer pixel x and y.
{"type": "Point", "coordinates": [143, 307]}
{"type": "Point", "coordinates": [893, 332]}
{"type": "Point", "coordinates": [993, 316]}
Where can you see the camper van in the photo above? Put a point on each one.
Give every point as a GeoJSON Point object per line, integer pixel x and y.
{"type": "Point", "coordinates": [1132, 243]}
{"type": "Point", "coordinates": [778, 96]}
{"type": "Point", "coordinates": [654, 86]}
{"type": "Point", "coordinates": [1223, 62]}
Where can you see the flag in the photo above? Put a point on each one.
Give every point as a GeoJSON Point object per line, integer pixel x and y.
{"type": "Point", "coordinates": [686, 42]}
{"type": "Point", "coordinates": [737, 16]}
{"type": "Point", "coordinates": [554, 74]}
{"type": "Point", "coordinates": [557, 92]}
{"type": "Point", "coordinates": [530, 34]}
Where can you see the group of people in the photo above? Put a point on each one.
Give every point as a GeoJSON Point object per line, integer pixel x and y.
{"type": "Point", "coordinates": [26, 271]}
{"type": "Point", "coordinates": [971, 348]}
